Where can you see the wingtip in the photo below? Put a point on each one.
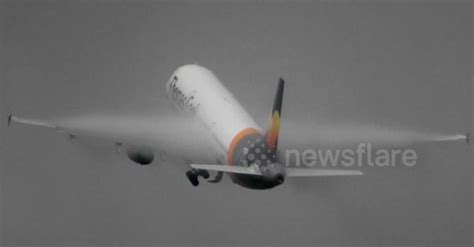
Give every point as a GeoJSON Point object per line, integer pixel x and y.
{"type": "Point", "coordinates": [9, 119]}
{"type": "Point", "coordinates": [281, 81]}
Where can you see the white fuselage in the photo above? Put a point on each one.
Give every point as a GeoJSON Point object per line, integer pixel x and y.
{"type": "Point", "coordinates": [197, 90]}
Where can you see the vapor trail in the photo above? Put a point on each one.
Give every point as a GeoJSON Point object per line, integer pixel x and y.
{"type": "Point", "coordinates": [450, 138]}
{"type": "Point", "coordinates": [350, 133]}
{"type": "Point", "coordinates": [172, 133]}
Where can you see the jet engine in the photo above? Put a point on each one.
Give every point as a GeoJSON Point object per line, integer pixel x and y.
{"type": "Point", "coordinates": [142, 156]}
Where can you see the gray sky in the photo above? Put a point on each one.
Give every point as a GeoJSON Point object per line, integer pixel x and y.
{"type": "Point", "coordinates": [404, 65]}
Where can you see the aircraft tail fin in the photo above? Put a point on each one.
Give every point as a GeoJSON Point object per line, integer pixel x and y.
{"type": "Point", "coordinates": [273, 127]}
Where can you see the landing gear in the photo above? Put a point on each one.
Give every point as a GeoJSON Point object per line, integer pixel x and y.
{"type": "Point", "coordinates": [217, 179]}
{"type": "Point", "coordinates": [203, 173]}
{"type": "Point", "coordinates": [193, 177]}
{"type": "Point", "coordinates": [194, 174]}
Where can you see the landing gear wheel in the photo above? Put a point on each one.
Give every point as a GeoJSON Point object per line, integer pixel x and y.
{"type": "Point", "coordinates": [203, 173]}
{"type": "Point", "coordinates": [193, 178]}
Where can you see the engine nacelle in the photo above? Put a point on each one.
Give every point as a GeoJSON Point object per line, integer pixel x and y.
{"type": "Point", "coordinates": [142, 156]}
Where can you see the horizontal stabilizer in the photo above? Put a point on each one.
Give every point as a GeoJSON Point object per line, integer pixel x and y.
{"type": "Point", "coordinates": [306, 172]}
{"type": "Point", "coordinates": [227, 168]}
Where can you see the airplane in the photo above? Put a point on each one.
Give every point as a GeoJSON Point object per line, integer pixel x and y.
{"type": "Point", "coordinates": [252, 157]}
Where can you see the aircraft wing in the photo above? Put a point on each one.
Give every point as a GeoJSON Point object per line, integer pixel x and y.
{"type": "Point", "coordinates": [304, 135]}
{"type": "Point", "coordinates": [33, 122]}
{"type": "Point", "coordinates": [175, 135]}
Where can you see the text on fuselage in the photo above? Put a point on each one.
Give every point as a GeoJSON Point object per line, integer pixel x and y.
{"type": "Point", "coordinates": [184, 103]}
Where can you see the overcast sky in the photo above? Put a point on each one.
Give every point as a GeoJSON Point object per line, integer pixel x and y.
{"type": "Point", "coordinates": [405, 65]}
